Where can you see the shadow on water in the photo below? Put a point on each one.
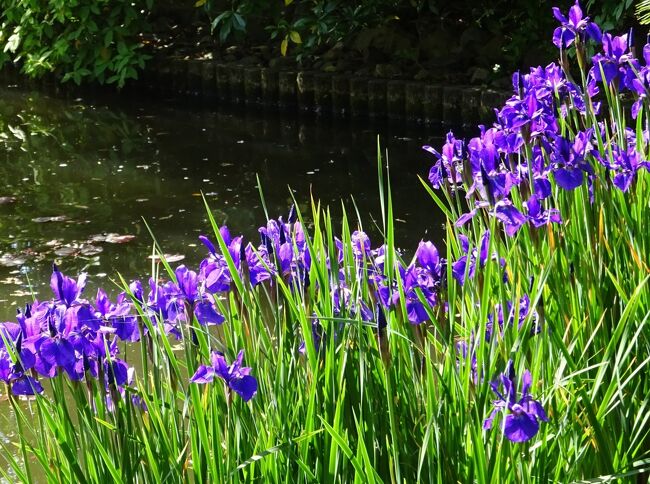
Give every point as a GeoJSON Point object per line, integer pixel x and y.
{"type": "Point", "coordinates": [80, 176]}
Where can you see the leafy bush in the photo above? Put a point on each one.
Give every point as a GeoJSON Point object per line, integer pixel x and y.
{"type": "Point", "coordinates": [78, 40]}
{"type": "Point", "coordinates": [468, 33]}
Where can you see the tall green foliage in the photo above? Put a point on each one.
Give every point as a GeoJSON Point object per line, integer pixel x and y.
{"type": "Point", "coordinates": [78, 40]}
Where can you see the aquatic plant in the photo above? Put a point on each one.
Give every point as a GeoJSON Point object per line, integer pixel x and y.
{"type": "Point", "coordinates": [369, 364]}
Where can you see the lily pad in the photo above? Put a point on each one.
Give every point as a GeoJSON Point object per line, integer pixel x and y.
{"type": "Point", "coordinates": [12, 260]}
{"type": "Point", "coordinates": [66, 251]}
{"type": "Point", "coordinates": [90, 250]}
{"type": "Point", "coordinates": [118, 239]}
{"type": "Point", "coordinates": [57, 218]}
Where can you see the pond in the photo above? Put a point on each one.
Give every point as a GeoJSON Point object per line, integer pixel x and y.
{"type": "Point", "coordinates": [82, 179]}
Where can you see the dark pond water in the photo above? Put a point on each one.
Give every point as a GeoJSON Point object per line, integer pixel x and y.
{"type": "Point", "coordinates": [79, 177]}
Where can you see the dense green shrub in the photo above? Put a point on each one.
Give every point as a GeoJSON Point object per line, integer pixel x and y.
{"type": "Point", "coordinates": [75, 39]}
{"type": "Point", "coordinates": [467, 32]}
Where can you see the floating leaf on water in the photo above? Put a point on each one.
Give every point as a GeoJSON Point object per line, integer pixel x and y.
{"type": "Point", "coordinates": [7, 200]}
{"type": "Point", "coordinates": [53, 243]}
{"type": "Point", "coordinates": [20, 293]}
{"type": "Point", "coordinates": [57, 218]}
{"type": "Point", "coordinates": [97, 238]}
{"type": "Point", "coordinates": [118, 239]}
{"type": "Point", "coordinates": [12, 260]}
{"type": "Point", "coordinates": [66, 251]}
{"type": "Point", "coordinates": [170, 258]}
{"type": "Point", "coordinates": [90, 250]}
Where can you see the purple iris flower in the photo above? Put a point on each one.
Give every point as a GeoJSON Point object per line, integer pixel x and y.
{"type": "Point", "coordinates": [624, 163]}
{"type": "Point", "coordinates": [236, 377]}
{"type": "Point", "coordinates": [614, 61]}
{"type": "Point", "coordinates": [449, 165]}
{"type": "Point", "coordinates": [540, 217]}
{"type": "Point", "coordinates": [160, 307]}
{"type": "Point", "coordinates": [568, 160]}
{"type": "Point", "coordinates": [521, 416]}
{"type": "Point", "coordinates": [511, 218]}
{"type": "Point", "coordinates": [201, 305]}
{"type": "Point", "coordinates": [65, 289]}
{"type": "Point", "coordinates": [418, 279]}
{"type": "Point", "coordinates": [214, 270]}
{"type": "Point", "coordinates": [576, 26]}
{"type": "Point", "coordinates": [521, 309]}
{"type": "Point", "coordinates": [428, 257]}
{"type": "Point", "coordinates": [317, 335]}
{"type": "Point", "coordinates": [118, 316]}
{"type": "Point", "coordinates": [260, 267]}
{"type": "Point", "coordinates": [13, 372]}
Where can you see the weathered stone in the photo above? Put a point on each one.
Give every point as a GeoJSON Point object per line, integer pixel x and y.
{"type": "Point", "coordinates": [305, 91]}
{"type": "Point", "coordinates": [452, 104]}
{"type": "Point", "coordinates": [377, 98]}
{"type": "Point", "coordinates": [223, 82]}
{"type": "Point", "coordinates": [358, 97]}
{"type": "Point", "coordinates": [178, 70]}
{"type": "Point", "coordinates": [236, 84]}
{"type": "Point", "coordinates": [341, 96]}
{"type": "Point", "coordinates": [194, 82]}
{"type": "Point", "coordinates": [249, 61]}
{"type": "Point", "coordinates": [208, 79]}
{"type": "Point", "coordinates": [471, 104]}
{"type": "Point", "coordinates": [323, 93]}
{"type": "Point", "coordinates": [287, 88]}
{"type": "Point", "coordinates": [414, 102]}
{"type": "Point", "coordinates": [282, 62]}
{"type": "Point", "coordinates": [252, 86]}
{"type": "Point", "coordinates": [432, 103]}
{"type": "Point", "coordinates": [395, 99]}
{"type": "Point", "coordinates": [269, 85]}
{"type": "Point", "coordinates": [387, 71]}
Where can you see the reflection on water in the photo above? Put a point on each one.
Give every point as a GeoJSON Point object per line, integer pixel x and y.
{"type": "Point", "coordinates": [79, 178]}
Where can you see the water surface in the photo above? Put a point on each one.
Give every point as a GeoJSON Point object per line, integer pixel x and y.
{"type": "Point", "coordinates": [80, 177]}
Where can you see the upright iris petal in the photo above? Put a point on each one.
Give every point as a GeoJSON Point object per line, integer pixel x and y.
{"type": "Point", "coordinates": [66, 289]}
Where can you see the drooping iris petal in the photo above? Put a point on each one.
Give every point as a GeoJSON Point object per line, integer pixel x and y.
{"type": "Point", "coordinates": [568, 178]}
{"type": "Point", "coordinates": [117, 372]}
{"type": "Point", "coordinates": [511, 218]}
{"type": "Point", "coordinates": [58, 352]}
{"type": "Point", "coordinates": [245, 387]}
{"type": "Point", "coordinates": [520, 427]}
{"type": "Point", "coordinates": [126, 328]}
{"type": "Point", "coordinates": [26, 385]}
{"type": "Point", "coordinates": [458, 269]}
{"type": "Point", "coordinates": [206, 313]}
{"type": "Point", "coordinates": [203, 374]}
